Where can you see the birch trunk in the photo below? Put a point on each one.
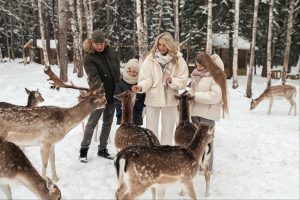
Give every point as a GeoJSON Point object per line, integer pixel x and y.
{"type": "Point", "coordinates": [77, 59]}
{"type": "Point", "coordinates": [42, 26]}
{"type": "Point", "coordinates": [7, 37]}
{"type": "Point", "coordinates": [140, 31]}
{"type": "Point", "coordinates": [269, 45]}
{"type": "Point", "coordinates": [176, 21]}
{"type": "Point", "coordinates": [235, 44]}
{"type": "Point", "coordinates": [288, 42]}
{"type": "Point", "coordinates": [209, 27]}
{"type": "Point", "coordinates": [12, 38]}
{"type": "Point", "coordinates": [79, 19]}
{"type": "Point", "coordinates": [62, 38]}
{"type": "Point", "coordinates": [55, 31]}
{"type": "Point", "coordinates": [252, 51]}
{"type": "Point", "coordinates": [89, 29]}
{"type": "Point", "coordinates": [22, 34]}
{"type": "Point", "coordinates": [145, 18]}
{"type": "Point", "coordinates": [1, 56]}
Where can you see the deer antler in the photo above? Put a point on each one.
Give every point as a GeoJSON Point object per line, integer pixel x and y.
{"type": "Point", "coordinates": [58, 83]}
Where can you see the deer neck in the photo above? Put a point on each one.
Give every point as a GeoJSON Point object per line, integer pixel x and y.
{"type": "Point", "coordinates": [262, 97]}
{"type": "Point", "coordinates": [199, 142]}
{"type": "Point", "coordinates": [184, 113]}
{"type": "Point", "coordinates": [127, 109]}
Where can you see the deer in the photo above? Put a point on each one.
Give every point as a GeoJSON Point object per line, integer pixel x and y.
{"type": "Point", "coordinates": [129, 134]}
{"type": "Point", "coordinates": [140, 167]}
{"type": "Point", "coordinates": [45, 126]}
{"type": "Point", "coordinates": [185, 131]}
{"type": "Point", "coordinates": [34, 98]}
{"type": "Point", "coordinates": [276, 92]}
{"type": "Point", "coordinates": [15, 166]}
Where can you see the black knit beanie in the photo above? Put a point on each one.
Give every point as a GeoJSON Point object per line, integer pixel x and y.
{"type": "Point", "coordinates": [98, 36]}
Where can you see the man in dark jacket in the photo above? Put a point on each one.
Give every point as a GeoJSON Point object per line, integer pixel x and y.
{"type": "Point", "coordinates": [102, 67]}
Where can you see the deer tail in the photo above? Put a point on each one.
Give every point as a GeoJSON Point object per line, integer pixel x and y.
{"type": "Point", "coordinates": [120, 165]}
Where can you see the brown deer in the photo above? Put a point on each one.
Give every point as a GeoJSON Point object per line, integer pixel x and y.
{"type": "Point", "coordinates": [45, 126]}
{"type": "Point", "coordinates": [140, 167]}
{"type": "Point", "coordinates": [15, 166]}
{"type": "Point", "coordinates": [274, 92]}
{"type": "Point", "coordinates": [34, 98]}
{"type": "Point", "coordinates": [185, 131]}
{"type": "Point", "coordinates": [128, 134]}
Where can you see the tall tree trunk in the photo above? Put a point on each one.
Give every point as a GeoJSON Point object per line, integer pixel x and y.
{"type": "Point", "coordinates": [134, 35]}
{"type": "Point", "coordinates": [22, 33]}
{"type": "Point", "coordinates": [140, 31]}
{"type": "Point", "coordinates": [42, 26]}
{"type": "Point", "coordinates": [288, 42]}
{"type": "Point", "coordinates": [230, 35]}
{"type": "Point", "coordinates": [47, 30]}
{"type": "Point", "coordinates": [12, 38]}
{"type": "Point", "coordinates": [77, 59]}
{"type": "Point", "coordinates": [269, 45]}
{"type": "Point", "coordinates": [252, 51]}
{"type": "Point", "coordinates": [176, 21]}
{"type": "Point", "coordinates": [62, 37]}
{"type": "Point", "coordinates": [88, 19]}
{"type": "Point", "coordinates": [235, 44]}
{"type": "Point", "coordinates": [1, 56]}
{"type": "Point", "coordinates": [209, 27]}
{"type": "Point", "coordinates": [145, 18]}
{"type": "Point", "coordinates": [79, 19]}
{"type": "Point", "coordinates": [55, 31]}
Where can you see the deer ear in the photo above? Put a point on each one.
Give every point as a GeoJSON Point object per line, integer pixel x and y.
{"type": "Point", "coordinates": [177, 97]}
{"type": "Point", "coordinates": [27, 91]}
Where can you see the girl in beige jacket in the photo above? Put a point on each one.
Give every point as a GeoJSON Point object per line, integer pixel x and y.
{"type": "Point", "coordinates": [162, 74]}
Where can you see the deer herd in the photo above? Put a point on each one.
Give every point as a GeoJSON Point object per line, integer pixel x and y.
{"type": "Point", "coordinates": [141, 162]}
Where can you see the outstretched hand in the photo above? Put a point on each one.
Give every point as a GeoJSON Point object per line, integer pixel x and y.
{"type": "Point", "coordinates": [136, 88]}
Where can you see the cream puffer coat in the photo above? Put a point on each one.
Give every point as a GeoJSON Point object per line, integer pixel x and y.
{"type": "Point", "coordinates": [150, 79]}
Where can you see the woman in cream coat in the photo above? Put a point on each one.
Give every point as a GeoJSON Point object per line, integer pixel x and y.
{"type": "Point", "coordinates": [162, 74]}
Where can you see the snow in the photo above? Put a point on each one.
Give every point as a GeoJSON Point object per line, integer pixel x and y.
{"type": "Point", "coordinates": [256, 154]}
{"type": "Point", "coordinates": [221, 40]}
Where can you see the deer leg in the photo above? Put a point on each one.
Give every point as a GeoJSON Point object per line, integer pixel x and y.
{"type": "Point", "coordinates": [135, 191]}
{"type": "Point", "coordinates": [270, 106]}
{"type": "Point", "coordinates": [52, 161]}
{"type": "Point", "coordinates": [153, 192]}
{"type": "Point", "coordinates": [6, 189]}
{"type": "Point", "coordinates": [161, 193]}
{"type": "Point", "coordinates": [121, 190]}
{"type": "Point", "coordinates": [190, 188]}
{"type": "Point", "coordinates": [207, 180]}
{"type": "Point", "coordinates": [45, 152]}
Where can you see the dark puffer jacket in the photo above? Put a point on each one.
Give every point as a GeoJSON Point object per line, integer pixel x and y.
{"type": "Point", "coordinates": [121, 87]}
{"type": "Point", "coordinates": [101, 68]}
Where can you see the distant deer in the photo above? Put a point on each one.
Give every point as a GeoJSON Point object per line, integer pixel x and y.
{"type": "Point", "coordinates": [185, 131]}
{"type": "Point", "coordinates": [14, 165]}
{"type": "Point", "coordinates": [34, 98]}
{"type": "Point", "coordinates": [275, 92]}
{"type": "Point", "coordinates": [129, 134]}
{"type": "Point", "coordinates": [45, 126]}
{"type": "Point", "coordinates": [140, 167]}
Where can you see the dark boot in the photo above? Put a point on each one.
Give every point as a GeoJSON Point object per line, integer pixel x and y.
{"type": "Point", "coordinates": [104, 153]}
{"type": "Point", "coordinates": [83, 155]}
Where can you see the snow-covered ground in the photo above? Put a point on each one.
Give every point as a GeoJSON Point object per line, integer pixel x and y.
{"type": "Point", "coordinates": [256, 154]}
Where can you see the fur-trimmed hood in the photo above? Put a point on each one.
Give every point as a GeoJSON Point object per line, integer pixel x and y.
{"type": "Point", "coordinates": [87, 45]}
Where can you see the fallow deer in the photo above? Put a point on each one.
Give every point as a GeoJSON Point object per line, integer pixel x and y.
{"type": "Point", "coordinates": [45, 126]}
{"type": "Point", "coordinates": [15, 166]}
{"type": "Point", "coordinates": [185, 131]}
{"type": "Point", "coordinates": [128, 134]}
{"type": "Point", "coordinates": [34, 98]}
{"type": "Point", "coordinates": [140, 167]}
{"type": "Point", "coordinates": [276, 92]}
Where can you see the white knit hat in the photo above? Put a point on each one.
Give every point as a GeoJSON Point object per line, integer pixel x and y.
{"type": "Point", "coordinates": [132, 64]}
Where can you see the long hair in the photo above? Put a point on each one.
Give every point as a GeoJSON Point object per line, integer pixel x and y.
{"type": "Point", "coordinates": [170, 44]}
{"type": "Point", "coordinates": [216, 72]}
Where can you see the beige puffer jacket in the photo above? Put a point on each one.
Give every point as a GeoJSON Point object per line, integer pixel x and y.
{"type": "Point", "coordinates": [150, 79]}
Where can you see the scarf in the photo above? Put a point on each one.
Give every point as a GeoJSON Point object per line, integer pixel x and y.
{"type": "Point", "coordinates": [197, 75]}
{"type": "Point", "coordinates": [129, 79]}
{"type": "Point", "coordinates": [166, 66]}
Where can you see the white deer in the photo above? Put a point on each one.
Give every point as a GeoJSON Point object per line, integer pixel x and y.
{"type": "Point", "coordinates": [276, 92]}
{"type": "Point", "coordinates": [15, 166]}
{"type": "Point", "coordinates": [34, 98]}
{"type": "Point", "coordinates": [45, 126]}
{"type": "Point", "coordinates": [140, 167]}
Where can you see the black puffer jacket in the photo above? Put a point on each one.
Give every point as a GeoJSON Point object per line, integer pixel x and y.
{"type": "Point", "coordinates": [103, 68]}
{"type": "Point", "coordinates": [121, 87]}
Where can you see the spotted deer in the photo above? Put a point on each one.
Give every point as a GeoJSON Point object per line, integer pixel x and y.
{"type": "Point", "coordinates": [185, 131]}
{"type": "Point", "coordinates": [129, 134]}
{"type": "Point", "coordinates": [140, 167]}
{"type": "Point", "coordinates": [15, 166]}
{"type": "Point", "coordinates": [276, 92]}
{"type": "Point", "coordinates": [34, 98]}
{"type": "Point", "coordinates": [45, 126]}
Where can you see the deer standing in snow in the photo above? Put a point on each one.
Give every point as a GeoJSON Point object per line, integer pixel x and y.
{"type": "Point", "coordinates": [185, 131]}
{"type": "Point", "coordinates": [34, 98]}
{"type": "Point", "coordinates": [276, 92]}
{"type": "Point", "coordinates": [129, 134]}
{"type": "Point", "coordinates": [15, 166]}
{"type": "Point", "coordinates": [140, 167]}
{"type": "Point", "coordinates": [45, 126]}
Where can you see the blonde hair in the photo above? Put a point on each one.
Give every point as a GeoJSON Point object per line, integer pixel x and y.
{"type": "Point", "coordinates": [170, 44]}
